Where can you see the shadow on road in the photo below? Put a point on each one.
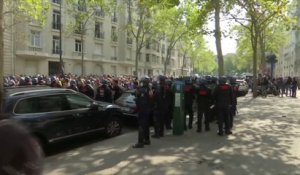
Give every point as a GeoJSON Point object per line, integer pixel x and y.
{"type": "Point", "coordinates": [262, 144]}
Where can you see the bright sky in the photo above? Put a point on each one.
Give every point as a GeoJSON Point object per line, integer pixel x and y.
{"type": "Point", "coordinates": [228, 45]}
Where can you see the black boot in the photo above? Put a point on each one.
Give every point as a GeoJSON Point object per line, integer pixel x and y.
{"type": "Point", "coordinates": [138, 145]}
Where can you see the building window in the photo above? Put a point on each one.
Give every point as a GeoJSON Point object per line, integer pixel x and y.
{"type": "Point", "coordinates": [56, 20]}
{"type": "Point", "coordinates": [129, 38]}
{"type": "Point", "coordinates": [55, 45]}
{"type": "Point", "coordinates": [114, 36]}
{"type": "Point", "coordinates": [147, 57]}
{"type": "Point", "coordinates": [78, 46]}
{"type": "Point", "coordinates": [114, 56]}
{"type": "Point", "coordinates": [99, 12]}
{"type": "Point", "coordinates": [163, 48]}
{"type": "Point", "coordinates": [114, 16]}
{"type": "Point", "coordinates": [99, 30]}
{"type": "Point", "coordinates": [56, 1]}
{"type": "Point", "coordinates": [148, 44]}
{"type": "Point", "coordinates": [36, 39]}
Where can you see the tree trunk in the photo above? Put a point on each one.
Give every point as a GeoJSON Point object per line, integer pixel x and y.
{"type": "Point", "coordinates": [1, 56]}
{"type": "Point", "coordinates": [262, 52]}
{"type": "Point", "coordinates": [167, 61]}
{"type": "Point", "coordinates": [218, 38]}
{"type": "Point", "coordinates": [254, 43]}
{"type": "Point", "coordinates": [137, 58]}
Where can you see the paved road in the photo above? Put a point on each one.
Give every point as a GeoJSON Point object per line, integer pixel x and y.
{"type": "Point", "coordinates": [264, 143]}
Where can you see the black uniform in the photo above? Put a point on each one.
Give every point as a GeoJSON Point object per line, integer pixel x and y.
{"type": "Point", "coordinates": [169, 104]}
{"type": "Point", "coordinates": [223, 101]}
{"type": "Point", "coordinates": [233, 109]}
{"type": "Point", "coordinates": [189, 95]}
{"type": "Point", "coordinates": [159, 107]}
{"type": "Point", "coordinates": [203, 106]}
{"type": "Point", "coordinates": [143, 103]}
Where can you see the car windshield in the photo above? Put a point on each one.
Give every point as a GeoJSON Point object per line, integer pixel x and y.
{"type": "Point", "coordinates": [127, 96]}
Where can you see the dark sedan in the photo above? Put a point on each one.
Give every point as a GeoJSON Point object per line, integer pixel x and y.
{"type": "Point", "coordinates": [53, 115]}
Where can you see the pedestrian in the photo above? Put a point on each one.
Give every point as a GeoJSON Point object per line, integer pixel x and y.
{"type": "Point", "coordinates": [20, 152]}
{"type": "Point", "coordinates": [143, 103]}
{"type": "Point", "coordinates": [104, 93]}
{"type": "Point", "coordinates": [294, 87]}
{"type": "Point", "coordinates": [233, 109]}
{"type": "Point", "coordinates": [170, 96]}
{"type": "Point", "coordinates": [189, 96]}
{"type": "Point", "coordinates": [223, 101]}
{"type": "Point", "coordinates": [204, 101]}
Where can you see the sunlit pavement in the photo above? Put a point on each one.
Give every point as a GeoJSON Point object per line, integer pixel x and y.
{"type": "Point", "coordinates": [266, 141]}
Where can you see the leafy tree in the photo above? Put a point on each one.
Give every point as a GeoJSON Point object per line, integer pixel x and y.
{"type": "Point", "coordinates": [258, 14]}
{"type": "Point", "coordinates": [23, 10]}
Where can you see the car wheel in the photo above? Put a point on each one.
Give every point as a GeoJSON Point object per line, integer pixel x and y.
{"type": "Point", "coordinates": [113, 127]}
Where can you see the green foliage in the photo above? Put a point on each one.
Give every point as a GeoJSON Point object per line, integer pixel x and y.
{"type": "Point", "coordinates": [26, 10]}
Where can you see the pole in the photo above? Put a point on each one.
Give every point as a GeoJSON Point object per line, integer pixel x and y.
{"type": "Point", "coordinates": [60, 41]}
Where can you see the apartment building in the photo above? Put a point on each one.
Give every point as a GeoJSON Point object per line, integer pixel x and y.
{"type": "Point", "coordinates": [107, 48]}
{"type": "Point", "coordinates": [289, 55]}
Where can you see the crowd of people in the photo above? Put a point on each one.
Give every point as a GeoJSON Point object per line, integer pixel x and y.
{"type": "Point", "coordinates": [279, 86]}
{"type": "Point", "coordinates": [213, 98]}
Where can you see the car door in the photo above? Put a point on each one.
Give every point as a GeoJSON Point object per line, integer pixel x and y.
{"type": "Point", "coordinates": [87, 119]}
{"type": "Point", "coordinates": [47, 115]}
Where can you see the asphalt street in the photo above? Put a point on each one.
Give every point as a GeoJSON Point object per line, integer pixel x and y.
{"type": "Point", "coordinates": [265, 141]}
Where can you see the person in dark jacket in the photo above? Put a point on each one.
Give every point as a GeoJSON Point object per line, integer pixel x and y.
{"type": "Point", "coordinates": [223, 101]}
{"type": "Point", "coordinates": [233, 109]}
{"type": "Point", "coordinates": [159, 107]}
{"type": "Point", "coordinates": [169, 103]}
{"type": "Point", "coordinates": [20, 152]}
{"type": "Point", "coordinates": [116, 90]}
{"type": "Point", "coordinates": [73, 85]}
{"type": "Point", "coordinates": [104, 93]}
{"type": "Point", "coordinates": [143, 103]}
{"type": "Point", "coordinates": [294, 87]}
{"type": "Point", "coordinates": [204, 101]}
{"type": "Point", "coordinates": [189, 96]}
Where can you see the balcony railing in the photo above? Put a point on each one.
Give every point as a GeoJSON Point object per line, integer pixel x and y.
{"type": "Point", "coordinates": [55, 51]}
{"type": "Point", "coordinates": [35, 48]}
{"type": "Point", "coordinates": [113, 58]}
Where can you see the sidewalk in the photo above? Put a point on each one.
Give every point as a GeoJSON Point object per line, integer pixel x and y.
{"type": "Point", "coordinates": [263, 143]}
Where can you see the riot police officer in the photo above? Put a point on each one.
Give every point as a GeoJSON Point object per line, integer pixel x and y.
{"type": "Point", "coordinates": [189, 92]}
{"type": "Point", "coordinates": [143, 103]}
{"type": "Point", "coordinates": [204, 101]}
{"type": "Point", "coordinates": [169, 103]}
{"type": "Point", "coordinates": [223, 101]}
{"type": "Point", "coordinates": [235, 90]}
{"type": "Point", "coordinates": [159, 108]}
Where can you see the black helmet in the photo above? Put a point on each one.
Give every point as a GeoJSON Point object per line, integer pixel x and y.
{"type": "Point", "coordinates": [232, 80]}
{"type": "Point", "coordinates": [202, 81]}
{"type": "Point", "coordinates": [73, 82]}
{"type": "Point", "coordinates": [222, 80]}
{"type": "Point", "coordinates": [161, 78]}
{"type": "Point", "coordinates": [145, 81]}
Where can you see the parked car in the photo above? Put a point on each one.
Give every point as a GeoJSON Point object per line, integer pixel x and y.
{"type": "Point", "coordinates": [54, 115]}
{"type": "Point", "coordinates": [127, 104]}
{"type": "Point", "coordinates": [243, 87]}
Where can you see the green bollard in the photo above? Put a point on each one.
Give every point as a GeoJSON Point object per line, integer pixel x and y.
{"type": "Point", "coordinates": [178, 113]}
